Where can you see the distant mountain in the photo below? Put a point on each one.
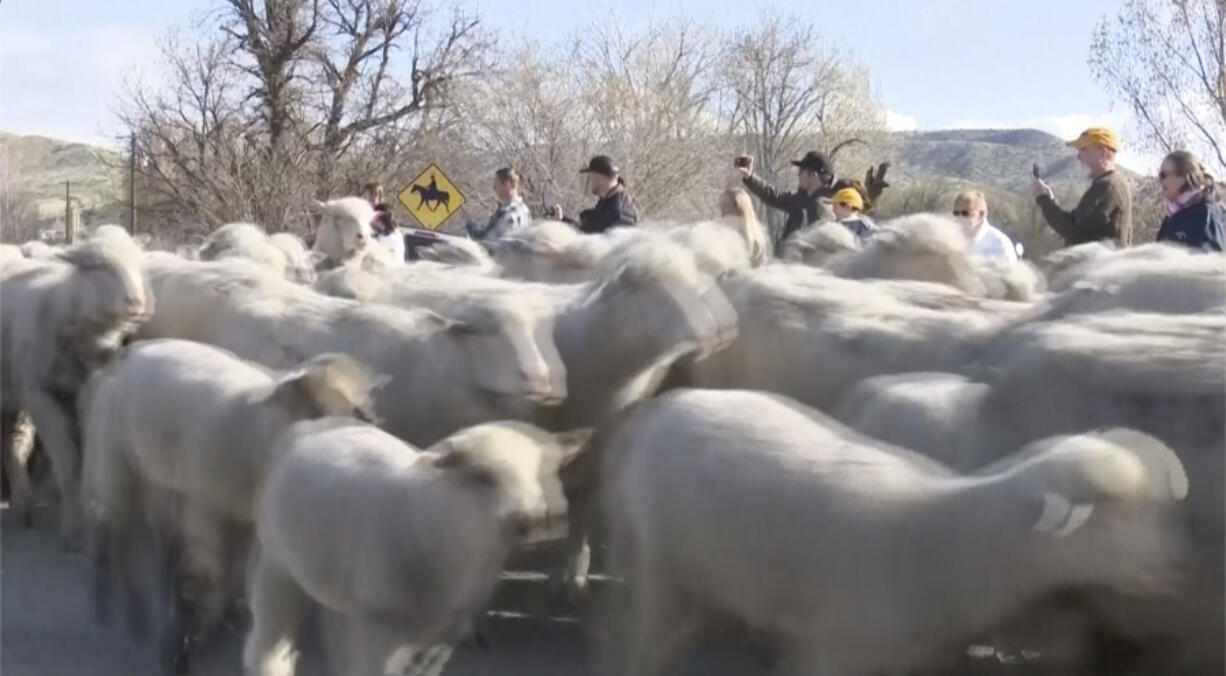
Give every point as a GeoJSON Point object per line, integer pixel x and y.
{"type": "Point", "coordinates": [42, 165]}
{"type": "Point", "coordinates": [996, 158]}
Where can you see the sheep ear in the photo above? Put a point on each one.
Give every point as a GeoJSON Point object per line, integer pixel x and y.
{"type": "Point", "coordinates": [573, 443]}
{"type": "Point", "coordinates": [316, 257]}
{"type": "Point", "coordinates": [143, 239]}
{"type": "Point", "coordinates": [320, 206]}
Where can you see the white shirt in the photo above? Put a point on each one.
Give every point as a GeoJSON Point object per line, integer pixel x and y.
{"type": "Point", "coordinates": [394, 241]}
{"type": "Point", "coordinates": [991, 243]}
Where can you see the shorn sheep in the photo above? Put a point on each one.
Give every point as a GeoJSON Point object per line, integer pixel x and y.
{"type": "Point", "coordinates": [344, 233]}
{"type": "Point", "coordinates": [902, 561]}
{"type": "Point", "coordinates": [401, 548]}
{"type": "Point", "coordinates": [810, 336]}
{"type": "Point", "coordinates": [299, 261]}
{"type": "Point", "coordinates": [650, 306]}
{"type": "Point", "coordinates": [197, 424]}
{"type": "Point", "coordinates": [819, 244]}
{"type": "Point", "coordinates": [10, 253]}
{"type": "Point", "coordinates": [242, 240]}
{"type": "Point", "coordinates": [1163, 374]}
{"type": "Point", "coordinates": [1152, 278]}
{"type": "Point", "coordinates": [36, 248]}
{"type": "Point", "coordinates": [481, 362]}
{"type": "Point", "coordinates": [60, 319]}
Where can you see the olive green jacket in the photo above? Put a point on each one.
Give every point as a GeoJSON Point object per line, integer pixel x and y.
{"type": "Point", "coordinates": [1104, 212]}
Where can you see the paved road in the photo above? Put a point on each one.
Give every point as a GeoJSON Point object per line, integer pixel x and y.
{"type": "Point", "coordinates": [47, 627]}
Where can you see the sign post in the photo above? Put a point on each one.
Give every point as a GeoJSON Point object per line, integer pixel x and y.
{"type": "Point", "coordinates": [431, 198]}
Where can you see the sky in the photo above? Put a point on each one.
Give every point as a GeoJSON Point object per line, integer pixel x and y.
{"type": "Point", "coordinates": [936, 64]}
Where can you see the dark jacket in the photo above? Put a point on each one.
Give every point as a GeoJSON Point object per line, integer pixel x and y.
{"type": "Point", "coordinates": [1198, 225]}
{"type": "Point", "coordinates": [612, 210]}
{"type": "Point", "coordinates": [1104, 212]}
{"type": "Point", "coordinates": [801, 207]}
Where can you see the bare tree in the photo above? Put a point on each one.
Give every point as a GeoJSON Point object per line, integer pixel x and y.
{"type": "Point", "coordinates": [359, 90]}
{"type": "Point", "coordinates": [790, 90]}
{"type": "Point", "coordinates": [643, 97]}
{"type": "Point", "coordinates": [267, 109]}
{"type": "Point", "coordinates": [1167, 60]}
{"type": "Point", "coordinates": [649, 98]}
{"type": "Point", "coordinates": [18, 210]}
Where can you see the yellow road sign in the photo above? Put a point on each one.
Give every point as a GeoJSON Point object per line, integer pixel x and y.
{"type": "Point", "coordinates": [431, 197]}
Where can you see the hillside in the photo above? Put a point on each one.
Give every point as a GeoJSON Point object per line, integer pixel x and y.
{"type": "Point", "coordinates": [996, 158]}
{"type": "Point", "coordinates": [41, 166]}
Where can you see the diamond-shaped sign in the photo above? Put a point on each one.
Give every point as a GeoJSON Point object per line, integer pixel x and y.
{"type": "Point", "coordinates": [431, 197]}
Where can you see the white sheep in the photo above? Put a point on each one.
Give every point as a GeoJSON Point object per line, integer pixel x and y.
{"type": "Point", "coordinates": [36, 248]}
{"type": "Point", "coordinates": [10, 253]}
{"type": "Point", "coordinates": [282, 254]}
{"type": "Point", "coordinates": [299, 261]}
{"type": "Point", "coordinates": [344, 232]}
{"type": "Point", "coordinates": [1151, 278]}
{"type": "Point", "coordinates": [819, 244]}
{"type": "Point", "coordinates": [190, 421]}
{"type": "Point", "coordinates": [479, 363]}
{"type": "Point", "coordinates": [401, 548]}
{"type": "Point", "coordinates": [811, 336]}
{"type": "Point", "coordinates": [936, 414]}
{"type": "Point", "coordinates": [650, 305]}
{"type": "Point", "coordinates": [922, 247]}
{"type": "Point", "coordinates": [459, 251]}
{"type": "Point", "coordinates": [551, 251]}
{"type": "Point", "coordinates": [1162, 374]}
{"type": "Point", "coordinates": [900, 559]}
{"type": "Point", "coordinates": [60, 319]}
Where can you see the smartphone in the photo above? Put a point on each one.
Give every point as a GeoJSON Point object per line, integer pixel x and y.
{"type": "Point", "coordinates": [741, 161]}
{"type": "Point", "coordinates": [1036, 170]}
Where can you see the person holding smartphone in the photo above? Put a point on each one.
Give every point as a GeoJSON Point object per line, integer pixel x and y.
{"type": "Point", "coordinates": [814, 180]}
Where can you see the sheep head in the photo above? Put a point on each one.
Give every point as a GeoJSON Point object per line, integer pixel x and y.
{"type": "Point", "coordinates": [510, 349]}
{"type": "Point", "coordinates": [518, 464]}
{"type": "Point", "coordinates": [330, 384]}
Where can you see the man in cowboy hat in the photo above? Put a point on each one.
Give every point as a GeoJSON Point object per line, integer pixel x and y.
{"type": "Point", "coordinates": [613, 205]}
{"type": "Point", "coordinates": [814, 181]}
{"type": "Point", "coordinates": [1105, 210]}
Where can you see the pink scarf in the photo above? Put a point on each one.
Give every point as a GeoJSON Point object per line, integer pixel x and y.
{"type": "Point", "coordinates": [1185, 198]}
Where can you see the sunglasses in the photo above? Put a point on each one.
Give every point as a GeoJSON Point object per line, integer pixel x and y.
{"type": "Point", "coordinates": [964, 212]}
{"type": "Point", "coordinates": [1162, 175]}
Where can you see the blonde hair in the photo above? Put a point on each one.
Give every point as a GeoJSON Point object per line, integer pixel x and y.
{"type": "Point", "coordinates": [973, 199]}
{"type": "Point", "coordinates": [735, 203]}
{"type": "Point", "coordinates": [374, 191]}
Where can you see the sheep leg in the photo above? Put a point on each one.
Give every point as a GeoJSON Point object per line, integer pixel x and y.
{"type": "Point", "coordinates": [661, 624]}
{"type": "Point", "coordinates": [572, 579]}
{"type": "Point", "coordinates": [199, 601]}
{"type": "Point", "coordinates": [277, 607]}
{"type": "Point", "coordinates": [379, 646]}
{"type": "Point", "coordinates": [58, 430]}
{"type": "Point", "coordinates": [18, 441]}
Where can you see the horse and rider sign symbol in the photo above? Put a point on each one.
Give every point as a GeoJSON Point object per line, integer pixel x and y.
{"type": "Point", "coordinates": [431, 197]}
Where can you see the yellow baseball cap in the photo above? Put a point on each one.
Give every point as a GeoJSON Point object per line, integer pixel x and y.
{"type": "Point", "coordinates": [849, 197]}
{"type": "Point", "coordinates": [1096, 136]}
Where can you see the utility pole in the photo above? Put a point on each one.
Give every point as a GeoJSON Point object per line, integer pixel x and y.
{"type": "Point", "coordinates": [70, 218]}
{"type": "Point", "coordinates": [132, 186]}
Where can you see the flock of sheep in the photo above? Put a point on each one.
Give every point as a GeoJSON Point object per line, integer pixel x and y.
{"type": "Point", "coordinates": [867, 456]}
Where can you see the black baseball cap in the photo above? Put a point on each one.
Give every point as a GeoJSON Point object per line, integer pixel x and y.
{"type": "Point", "coordinates": [815, 161]}
{"type": "Point", "coordinates": [601, 164]}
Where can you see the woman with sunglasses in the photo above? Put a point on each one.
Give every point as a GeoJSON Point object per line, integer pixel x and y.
{"type": "Point", "coordinates": [1194, 217]}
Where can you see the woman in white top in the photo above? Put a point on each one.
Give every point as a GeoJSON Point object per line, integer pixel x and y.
{"type": "Point", "coordinates": [987, 241]}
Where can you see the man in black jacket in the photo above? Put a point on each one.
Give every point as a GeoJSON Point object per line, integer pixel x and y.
{"type": "Point", "coordinates": [814, 180]}
{"type": "Point", "coordinates": [614, 207]}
